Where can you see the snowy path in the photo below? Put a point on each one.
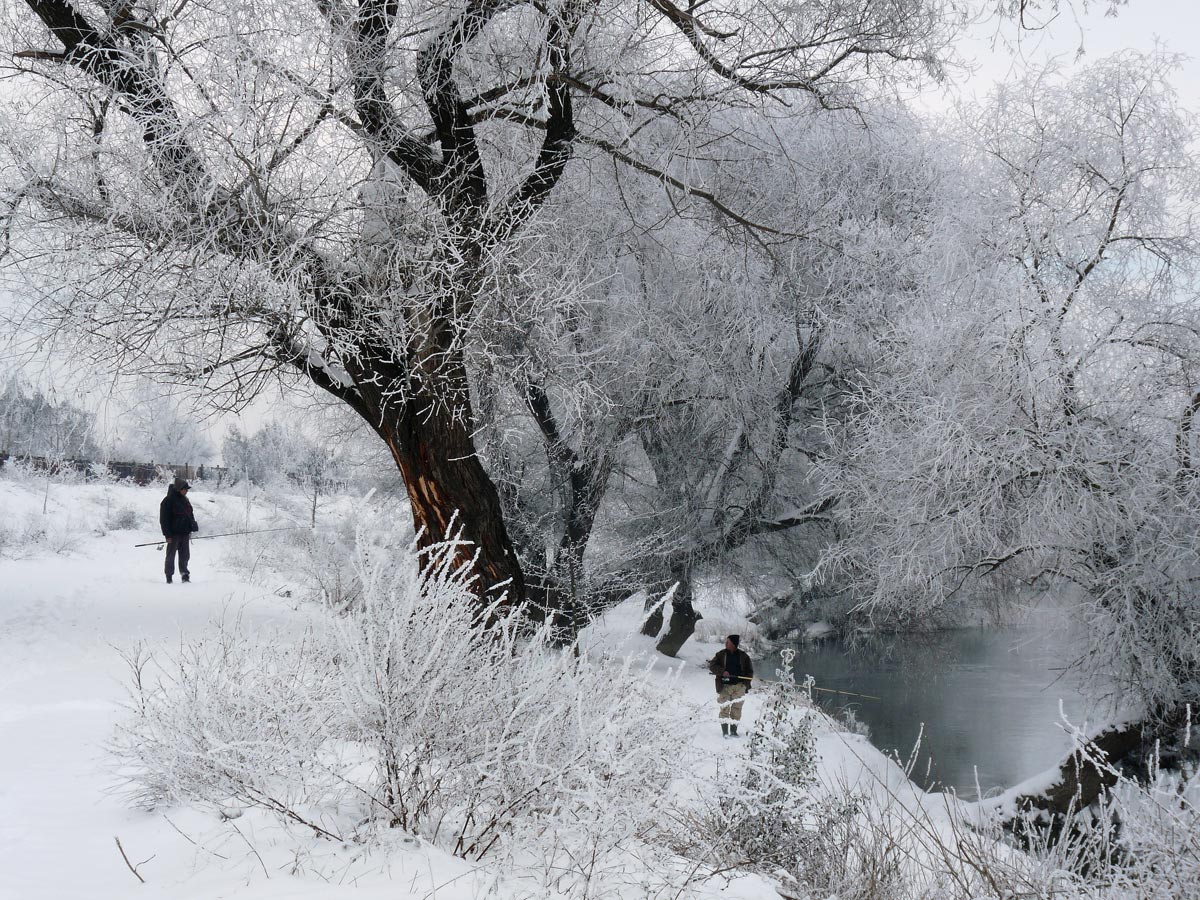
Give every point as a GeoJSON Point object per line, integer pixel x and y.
{"type": "Point", "coordinates": [64, 620]}
{"type": "Point", "coordinates": [61, 620]}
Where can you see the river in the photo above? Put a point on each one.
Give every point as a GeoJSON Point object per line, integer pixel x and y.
{"type": "Point", "coordinates": [988, 700]}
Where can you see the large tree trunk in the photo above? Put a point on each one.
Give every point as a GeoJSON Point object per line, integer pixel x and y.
{"type": "Point", "coordinates": [450, 492]}
{"type": "Point", "coordinates": [682, 624]}
{"type": "Point", "coordinates": [427, 424]}
{"type": "Point", "coordinates": [684, 616]}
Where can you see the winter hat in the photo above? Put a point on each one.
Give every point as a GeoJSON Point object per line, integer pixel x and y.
{"type": "Point", "coordinates": [735, 639]}
{"type": "Point", "coordinates": [181, 485]}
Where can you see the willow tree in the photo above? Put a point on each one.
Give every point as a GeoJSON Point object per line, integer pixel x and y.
{"type": "Point", "coordinates": [221, 192]}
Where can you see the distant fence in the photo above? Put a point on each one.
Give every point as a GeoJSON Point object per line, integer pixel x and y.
{"type": "Point", "coordinates": [141, 473]}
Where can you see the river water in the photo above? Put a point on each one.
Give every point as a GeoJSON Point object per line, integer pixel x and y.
{"type": "Point", "coordinates": [988, 700]}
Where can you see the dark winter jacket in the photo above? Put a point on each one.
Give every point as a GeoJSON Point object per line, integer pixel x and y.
{"type": "Point", "coordinates": [175, 514]}
{"type": "Point", "coordinates": [744, 668]}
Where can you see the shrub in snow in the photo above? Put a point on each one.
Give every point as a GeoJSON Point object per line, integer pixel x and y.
{"type": "Point", "coordinates": [1142, 840]}
{"type": "Point", "coordinates": [1159, 838]}
{"type": "Point", "coordinates": [125, 518]}
{"type": "Point", "coordinates": [404, 712]}
{"type": "Point", "coordinates": [329, 562]}
{"type": "Point", "coordinates": [849, 722]}
{"type": "Point", "coordinates": [767, 815]}
{"type": "Point", "coordinates": [323, 563]}
{"type": "Point", "coordinates": [33, 534]}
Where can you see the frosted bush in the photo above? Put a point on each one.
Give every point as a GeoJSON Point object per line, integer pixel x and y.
{"type": "Point", "coordinates": [320, 563]}
{"type": "Point", "coordinates": [1159, 836]}
{"type": "Point", "coordinates": [404, 712]}
{"type": "Point", "coordinates": [326, 561]}
{"type": "Point", "coordinates": [63, 537]}
{"type": "Point", "coordinates": [126, 518]}
{"type": "Point", "coordinates": [33, 534]}
{"type": "Point", "coordinates": [1141, 840]}
{"type": "Point", "coordinates": [232, 716]}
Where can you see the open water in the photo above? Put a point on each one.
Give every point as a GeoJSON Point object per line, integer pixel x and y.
{"type": "Point", "coordinates": [987, 703]}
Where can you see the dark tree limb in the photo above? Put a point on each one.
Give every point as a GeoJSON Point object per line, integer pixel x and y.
{"type": "Point", "coordinates": [752, 520]}
{"type": "Point", "coordinates": [686, 188]}
{"type": "Point", "coordinates": [585, 481]}
{"type": "Point", "coordinates": [369, 68]}
{"type": "Point", "coordinates": [290, 351]}
{"type": "Point", "coordinates": [753, 515]}
{"type": "Point", "coordinates": [661, 105]}
{"type": "Point", "coordinates": [141, 93]}
{"type": "Point", "coordinates": [557, 143]}
{"type": "Point", "coordinates": [697, 35]}
{"type": "Point", "coordinates": [810, 515]}
{"type": "Point", "coordinates": [462, 182]}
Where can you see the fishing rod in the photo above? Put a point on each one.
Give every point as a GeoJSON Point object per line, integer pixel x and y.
{"type": "Point", "coordinates": [813, 686]}
{"type": "Point", "coordinates": [208, 537]}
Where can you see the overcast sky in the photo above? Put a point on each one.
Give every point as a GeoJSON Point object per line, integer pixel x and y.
{"type": "Point", "coordinates": [996, 54]}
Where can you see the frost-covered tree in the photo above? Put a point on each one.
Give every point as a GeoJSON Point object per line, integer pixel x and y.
{"type": "Point", "coordinates": [221, 191]}
{"type": "Point", "coordinates": [163, 428]}
{"type": "Point", "coordinates": [275, 452]}
{"type": "Point", "coordinates": [665, 403]}
{"type": "Point", "coordinates": [34, 424]}
{"type": "Point", "coordinates": [1035, 427]}
{"type": "Point", "coordinates": [258, 456]}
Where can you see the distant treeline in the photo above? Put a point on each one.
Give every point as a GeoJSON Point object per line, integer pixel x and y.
{"type": "Point", "coordinates": [149, 472]}
{"type": "Point", "coordinates": [139, 472]}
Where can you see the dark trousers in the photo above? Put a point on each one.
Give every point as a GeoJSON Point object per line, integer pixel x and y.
{"type": "Point", "coordinates": [181, 544]}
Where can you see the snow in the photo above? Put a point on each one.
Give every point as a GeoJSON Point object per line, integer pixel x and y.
{"type": "Point", "coordinates": [73, 601]}
{"type": "Point", "coordinates": [818, 630]}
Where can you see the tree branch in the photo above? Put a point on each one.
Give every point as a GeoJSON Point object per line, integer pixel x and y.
{"type": "Point", "coordinates": [558, 140]}
{"type": "Point", "coordinates": [814, 513]}
{"type": "Point", "coordinates": [695, 32]}
{"type": "Point", "coordinates": [462, 182]}
{"type": "Point", "coordinates": [316, 368]}
{"type": "Point", "coordinates": [143, 95]}
{"type": "Point", "coordinates": [369, 67]}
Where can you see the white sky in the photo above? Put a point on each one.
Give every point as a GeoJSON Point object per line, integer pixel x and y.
{"type": "Point", "coordinates": [996, 54]}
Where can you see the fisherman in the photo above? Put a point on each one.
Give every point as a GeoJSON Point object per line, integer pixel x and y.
{"type": "Point", "coordinates": [178, 522]}
{"type": "Point", "coordinates": [734, 673]}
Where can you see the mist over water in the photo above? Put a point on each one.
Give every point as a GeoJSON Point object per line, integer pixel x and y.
{"type": "Point", "coordinates": [991, 700]}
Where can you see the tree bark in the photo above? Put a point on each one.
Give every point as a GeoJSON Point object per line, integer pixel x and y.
{"type": "Point", "coordinates": [654, 622]}
{"type": "Point", "coordinates": [682, 624]}
{"type": "Point", "coordinates": [426, 422]}
{"type": "Point", "coordinates": [450, 492]}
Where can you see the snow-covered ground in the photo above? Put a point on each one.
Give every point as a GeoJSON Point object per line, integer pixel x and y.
{"type": "Point", "coordinates": [75, 594]}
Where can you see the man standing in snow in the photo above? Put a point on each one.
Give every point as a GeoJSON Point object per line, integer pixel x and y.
{"type": "Point", "coordinates": [178, 522]}
{"type": "Point", "coordinates": [734, 673]}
